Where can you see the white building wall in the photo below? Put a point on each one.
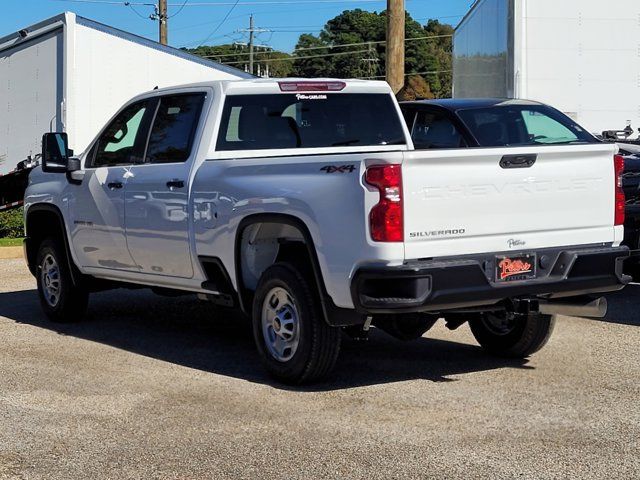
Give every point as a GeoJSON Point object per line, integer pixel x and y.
{"type": "Point", "coordinates": [29, 82]}
{"type": "Point", "coordinates": [72, 74]}
{"type": "Point", "coordinates": [480, 57]}
{"type": "Point", "coordinates": [108, 70]}
{"type": "Point", "coordinates": [583, 57]}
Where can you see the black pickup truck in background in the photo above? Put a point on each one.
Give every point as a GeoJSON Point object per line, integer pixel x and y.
{"type": "Point", "coordinates": [443, 124]}
{"type": "Point", "coordinates": [631, 186]}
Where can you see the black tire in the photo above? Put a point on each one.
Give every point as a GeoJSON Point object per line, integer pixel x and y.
{"type": "Point", "coordinates": [70, 302]}
{"type": "Point", "coordinates": [317, 344]}
{"type": "Point", "coordinates": [407, 327]}
{"type": "Point", "coordinates": [513, 336]}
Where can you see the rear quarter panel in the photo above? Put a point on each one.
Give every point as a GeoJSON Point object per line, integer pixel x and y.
{"type": "Point", "coordinates": [334, 206]}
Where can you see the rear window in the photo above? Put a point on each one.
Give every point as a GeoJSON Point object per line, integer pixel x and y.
{"type": "Point", "coordinates": [521, 125]}
{"type": "Point", "coordinates": [261, 122]}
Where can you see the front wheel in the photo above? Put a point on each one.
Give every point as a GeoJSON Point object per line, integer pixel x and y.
{"type": "Point", "coordinates": [61, 300]}
{"type": "Point", "coordinates": [294, 342]}
{"type": "Point", "coordinates": [512, 335]}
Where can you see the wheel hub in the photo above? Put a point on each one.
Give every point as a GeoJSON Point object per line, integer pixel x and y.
{"type": "Point", "coordinates": [50, 280]}
{"type": "Point", "coordinates": [280, 324]}
{"type": "Point", "coordinates": [502, 323]}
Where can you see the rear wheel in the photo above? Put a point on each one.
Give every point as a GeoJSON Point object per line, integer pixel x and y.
{"type": "Point", "coordinates": [61, 300]}
{"type": "Point", "coordinates": [294, 342]}
{"type": "Point", "coordinates": [512, 335]}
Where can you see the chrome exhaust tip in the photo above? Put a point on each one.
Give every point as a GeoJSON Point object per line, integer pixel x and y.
{"type": "Point", "coordinates": [588, 307]}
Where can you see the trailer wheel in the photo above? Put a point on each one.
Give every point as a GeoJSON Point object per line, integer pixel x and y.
{"type": "Point", "coordinates": [294, 342]}
{"type": "Point", "coordinates": [61, 300]}
{"type": "Point", "coordinates": [511, 335]}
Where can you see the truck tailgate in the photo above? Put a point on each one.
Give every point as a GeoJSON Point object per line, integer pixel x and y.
{"type": "Point", "coordinates": [477, 200]}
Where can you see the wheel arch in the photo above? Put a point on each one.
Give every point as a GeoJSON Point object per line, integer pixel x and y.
{"type": "Point", "coordinates": [278, 219]}
{"type": "Point", "coordinates": [44, 220]}
{"type": "Point", "coordinates": [332, 314]}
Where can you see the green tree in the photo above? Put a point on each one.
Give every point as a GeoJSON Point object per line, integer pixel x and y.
{"type": "Point", "coordinates": [237, 55]}
{"type": "Point", "coordinates": [322, 55]}
{"type": "Point", "coordinates": [12, 224]}
{"type": "Point", "coordinates": [440, 49]}
{"type": "Point", "coordinates": [416, 87]}
{"type": "Point", "coordinates": [312, 61]}
{"type": "Point", "coordinates": [352, 45]}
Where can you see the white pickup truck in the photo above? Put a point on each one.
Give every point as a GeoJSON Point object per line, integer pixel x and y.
{"type": "Point", "coordinates": [304, 204]}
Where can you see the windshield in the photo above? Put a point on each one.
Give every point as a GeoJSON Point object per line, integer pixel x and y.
{"type": "Point", "coordinates": [280, 121]}
{"type": "Point", "coordinates": [521, 125]}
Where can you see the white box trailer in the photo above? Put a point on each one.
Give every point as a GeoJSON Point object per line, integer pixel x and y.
{"type": "Point", "coordinates": [71, 74]}
{"type": "Point", "coordinates": [580, 56]}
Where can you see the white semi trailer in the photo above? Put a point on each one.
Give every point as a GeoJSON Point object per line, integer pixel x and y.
{"type": "Point", "coordinates": [69, 74]}
{"type": "Point", "coordinates": [581, 56]}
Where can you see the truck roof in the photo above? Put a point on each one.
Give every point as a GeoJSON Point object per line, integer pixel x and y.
{"type": "Point", "coordinates": [272, 85]}
{"type": "Point", "coordinates": [454, 104]}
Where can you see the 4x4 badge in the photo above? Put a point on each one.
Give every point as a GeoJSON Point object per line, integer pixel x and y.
{"type": "Point", "coordinates": [339, 169]}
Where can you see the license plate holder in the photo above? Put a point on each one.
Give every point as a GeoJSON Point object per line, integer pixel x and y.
{"type": "Point", "coordinates": [515, 268]}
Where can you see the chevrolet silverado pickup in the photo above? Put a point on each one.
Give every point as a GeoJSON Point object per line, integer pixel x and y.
{"type": "Point", "coordinates": [304, 204]}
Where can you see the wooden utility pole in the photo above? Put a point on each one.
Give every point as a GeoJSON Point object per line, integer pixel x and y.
{"type": "Point", "coordinates": [162, 21]}
{"type": "Point", "coordinates": [252, 37]}
{"type": "Point", "coordinates": [395, 44]}
{"type": "Point", "coordinates": [252, 30]}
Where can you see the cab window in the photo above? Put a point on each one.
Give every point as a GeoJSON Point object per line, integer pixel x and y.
{"type": "Point", "coordinates": [174, 128]}
{"type": "Point", "coordinates": [513, 125]}
{"type": "Point", "coordinates": [287, 121]}
{"type": "Point", "coordinates": [121, 142]}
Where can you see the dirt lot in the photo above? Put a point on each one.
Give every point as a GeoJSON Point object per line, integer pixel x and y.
{"type": "Point", "coordinates": [150, 387]}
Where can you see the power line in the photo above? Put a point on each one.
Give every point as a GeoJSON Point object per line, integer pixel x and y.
{"type": "Point", "coordinates": [280, 2]}
{"type": "Point", "coordinates": [136, 12]}
{"type": "Point", "coordinates": [222, 22]}
{"type": "Point", "coordinates": [432, 72]}
{"type": "Point", "coordinates": [355, 52]}
{"type": "Point", "coordinates": [223, 4]}
{"type": "Point", "coordinates": [180, 9]}
{"type": "Point", "coordinates": [329, 47]}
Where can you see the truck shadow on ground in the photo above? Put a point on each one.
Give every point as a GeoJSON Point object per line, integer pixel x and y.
{"type": "Point", "coordinates": [624, 306]}
{"type": "Point", "coordinates": [187, 332]}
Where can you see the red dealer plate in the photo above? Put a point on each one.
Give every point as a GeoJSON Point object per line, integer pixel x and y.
{"type": "Point", "coordinates": [516, 268]}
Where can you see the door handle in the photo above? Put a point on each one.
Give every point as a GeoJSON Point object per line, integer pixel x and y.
{"type": "Point", "coordinates": [114, 185]}
{"type": "Point", "coordinates": [518, 161]}
{"type": "Point", "coordinates": [172, 184]}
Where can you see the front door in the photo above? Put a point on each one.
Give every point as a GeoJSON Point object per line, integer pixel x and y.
{"type": "Point", "coordinates": [157, 193]}
{"type": "Point", "coordinates": [97, 207]}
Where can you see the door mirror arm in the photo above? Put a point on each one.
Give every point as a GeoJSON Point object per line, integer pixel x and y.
{"type": "Point", "coordinates": [75, 174]}
{"type": "Point", "coordinates": [73, 164]}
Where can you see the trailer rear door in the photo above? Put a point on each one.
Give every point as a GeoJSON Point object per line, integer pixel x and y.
{"type": "Point", "coordinates": [30, 96]}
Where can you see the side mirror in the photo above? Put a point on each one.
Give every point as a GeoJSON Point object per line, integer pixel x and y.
{"type": "Point", "coordinates": [55, 152]}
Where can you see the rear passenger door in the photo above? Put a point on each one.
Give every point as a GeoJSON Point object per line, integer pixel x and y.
{"type": "Point", "coordinates": [157, 194]}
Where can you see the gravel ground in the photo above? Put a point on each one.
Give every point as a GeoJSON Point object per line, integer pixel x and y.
{"type": "Point", "coordinates": [151, 387]}
{"type": "Point", "coordinates": [10, 252]}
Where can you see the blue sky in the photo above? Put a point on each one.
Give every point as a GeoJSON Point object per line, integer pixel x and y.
{"type": "Point", "coordinates": [286, 19]}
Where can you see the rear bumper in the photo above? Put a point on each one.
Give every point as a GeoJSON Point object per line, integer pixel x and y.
{"type": "Point", "coordinates": [465, 282]}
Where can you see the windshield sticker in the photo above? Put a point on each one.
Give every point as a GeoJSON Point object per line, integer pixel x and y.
{"type": "Point", "coordinates": [301, 96]}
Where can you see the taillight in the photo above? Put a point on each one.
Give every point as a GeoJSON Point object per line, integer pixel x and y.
{"type": "Point", "coordinates": [618, 162]}
{"type": "Point", "coordinates": [386, 218]}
